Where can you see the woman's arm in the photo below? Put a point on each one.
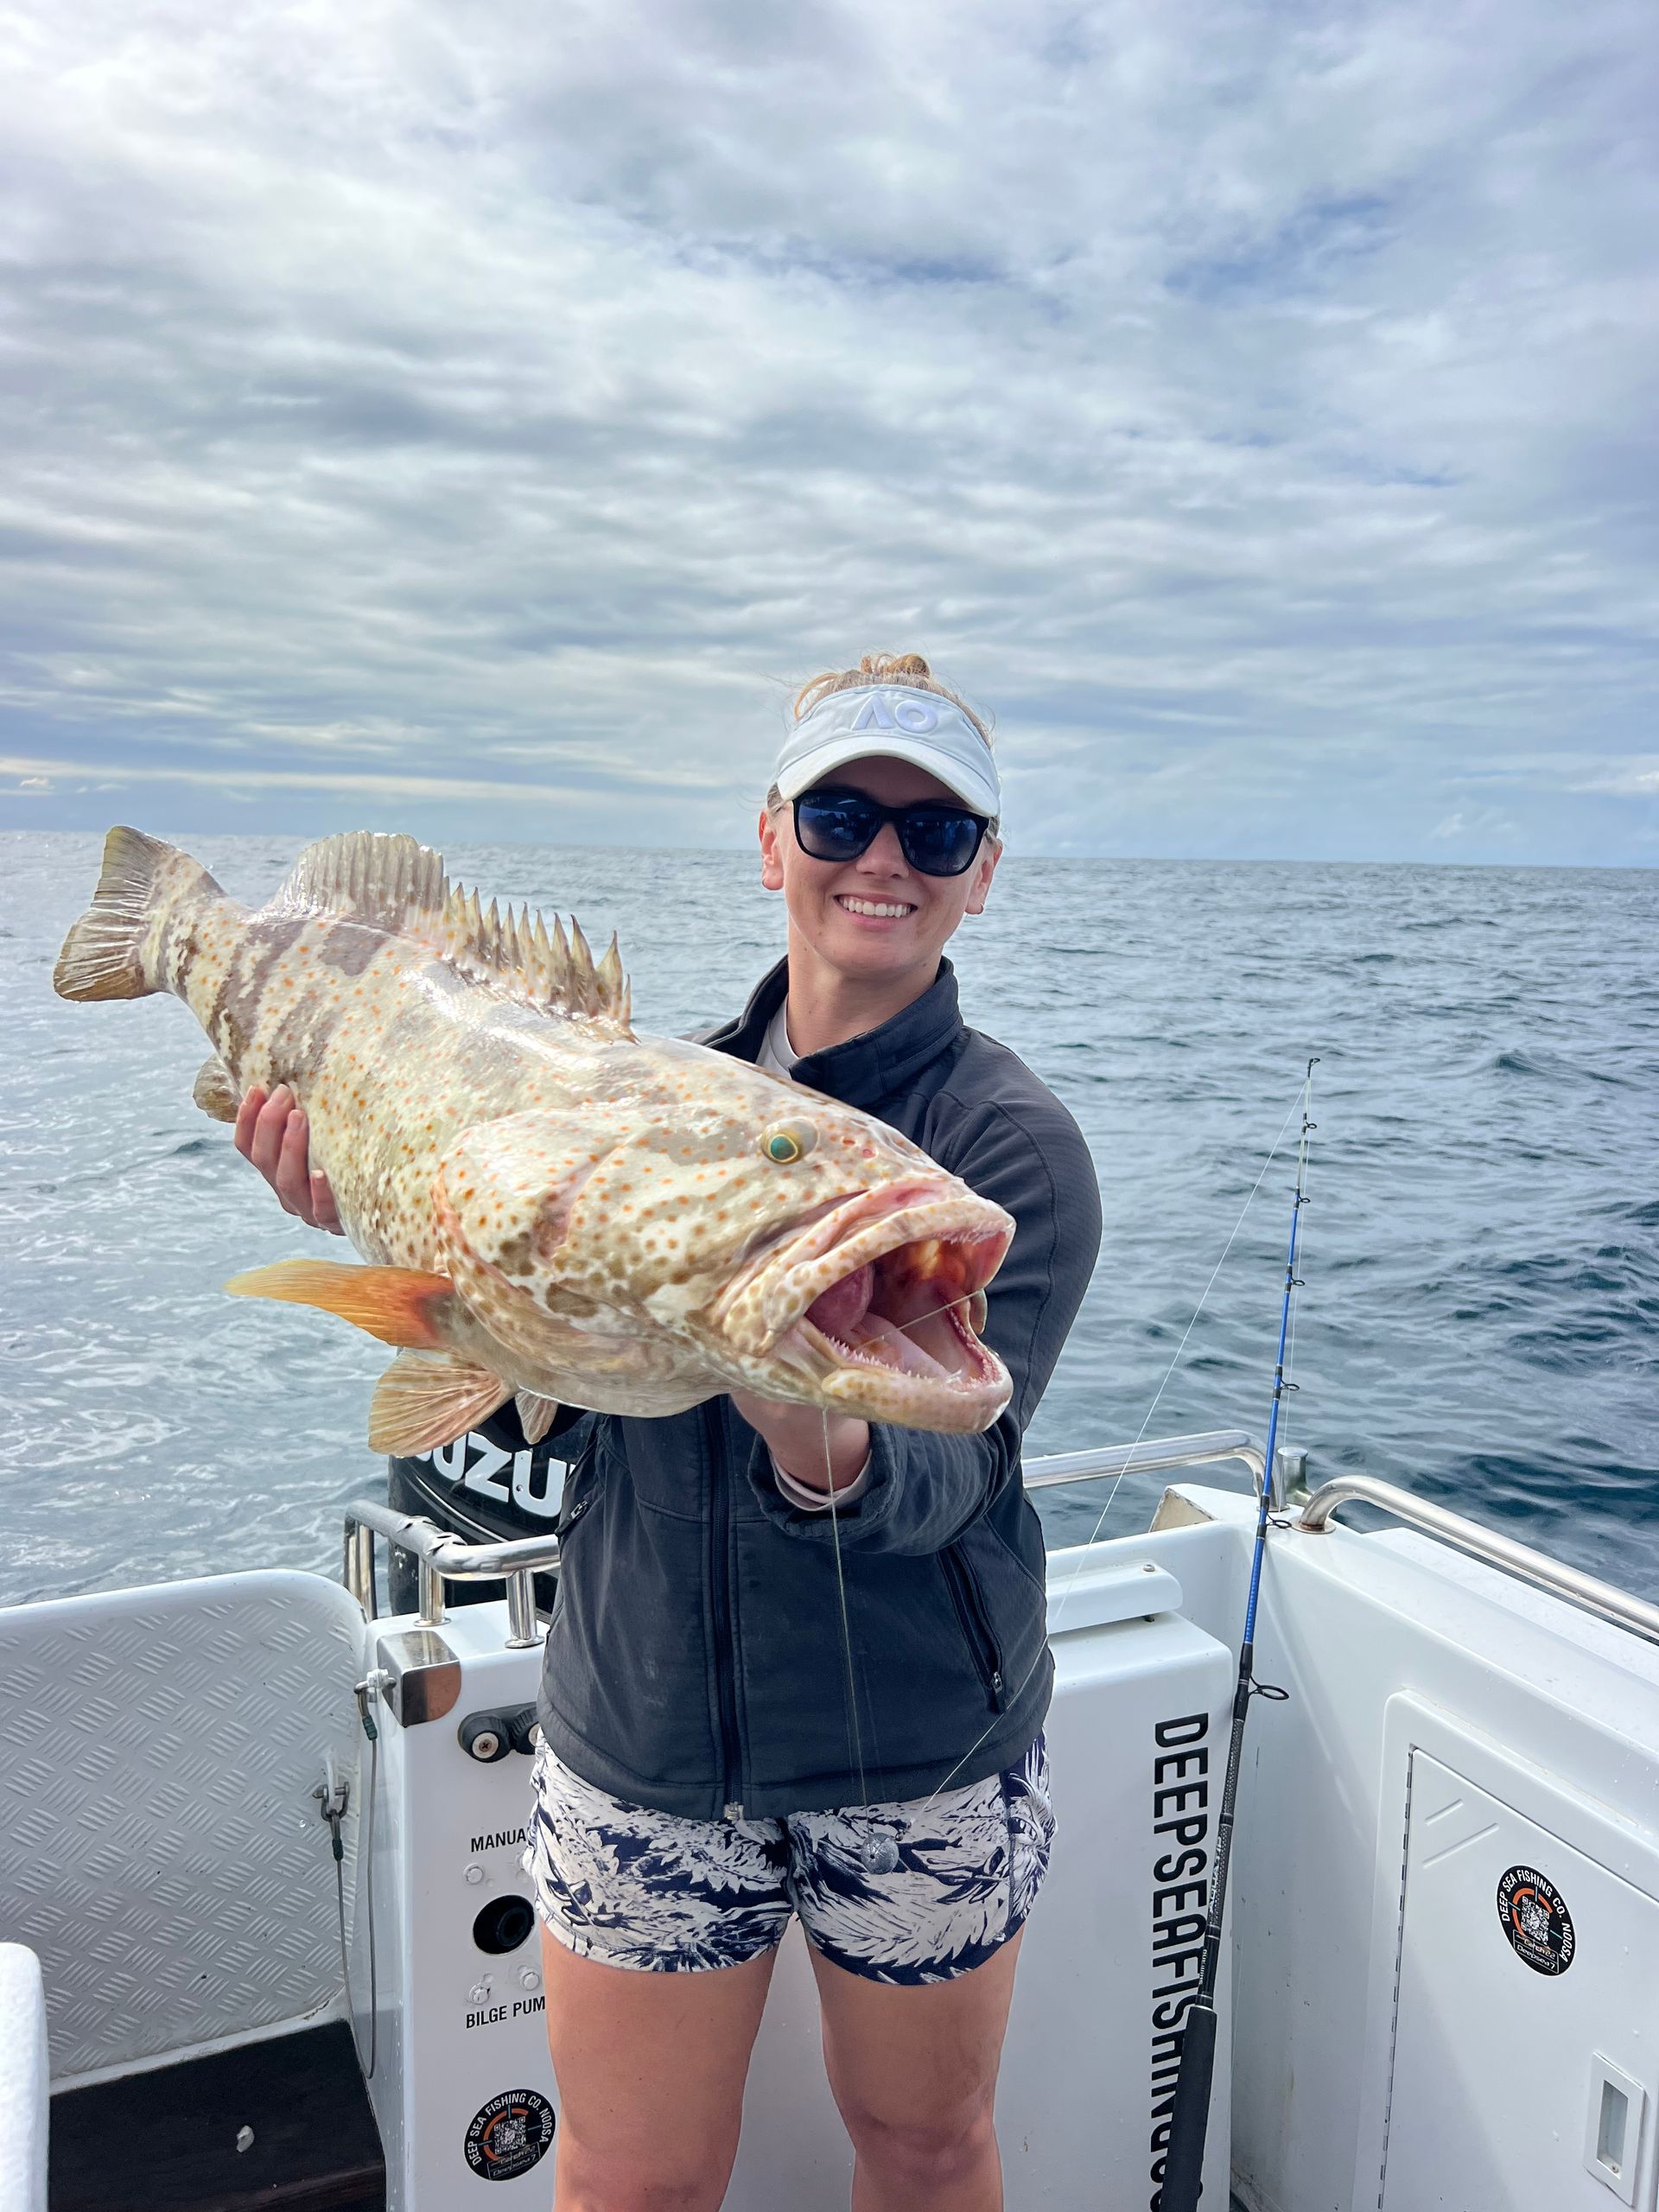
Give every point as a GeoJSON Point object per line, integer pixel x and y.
{"type": "Point", "coordinates": [800, 1437]}
{"type": "Point", "coordinates": [922, 1489]}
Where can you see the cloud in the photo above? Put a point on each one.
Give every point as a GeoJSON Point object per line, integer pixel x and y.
{"type": "Point", "coordinates": [450, 415]}
{"type": "Point", "coordinates": [1633, 779]}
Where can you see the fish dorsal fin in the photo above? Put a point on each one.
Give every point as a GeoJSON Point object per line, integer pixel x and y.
{"type": "Point", "coordinates": [522, 955]}
{"type": "Point", "coordinates": [395, 882]}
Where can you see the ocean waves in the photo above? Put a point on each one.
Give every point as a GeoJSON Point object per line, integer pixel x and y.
{"type": "Point", "coordinates": [1481, 1256]}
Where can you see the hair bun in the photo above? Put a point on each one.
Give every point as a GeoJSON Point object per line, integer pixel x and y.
{"type": "Point", "coordinates": [893, 668]}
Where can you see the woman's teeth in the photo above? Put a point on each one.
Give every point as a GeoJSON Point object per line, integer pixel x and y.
{"type": "Point", "coordinates": [882, 909]}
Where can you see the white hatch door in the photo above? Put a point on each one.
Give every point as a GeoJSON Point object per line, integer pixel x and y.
{"type": "Point", "coordinates": [1526, 2059]}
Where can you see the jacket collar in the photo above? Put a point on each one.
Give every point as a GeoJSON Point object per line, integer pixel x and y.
{"type": "Point", "coordinates": [865, 1071]}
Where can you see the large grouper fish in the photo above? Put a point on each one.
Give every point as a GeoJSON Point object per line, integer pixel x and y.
{"type": "Point", "coordinates": [552, 1207]}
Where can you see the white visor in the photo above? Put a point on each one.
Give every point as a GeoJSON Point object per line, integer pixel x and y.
{"type": "Point", "coordinates": [891, 721]}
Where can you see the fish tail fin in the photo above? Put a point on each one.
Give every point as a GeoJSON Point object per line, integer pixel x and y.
{"type": "Point", "coordinates": [108, 953]}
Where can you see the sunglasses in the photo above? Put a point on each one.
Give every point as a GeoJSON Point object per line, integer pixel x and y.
{"type": "Point", "coordinates": [832, 824]}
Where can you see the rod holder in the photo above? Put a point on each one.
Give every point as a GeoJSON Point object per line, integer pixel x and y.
{"type": "Point", "coordinates": [523, 1629]}
{"type": "Point", "coordinates": [430, 1606]}
{"type": "Point", "coordinates": [359, 1568]}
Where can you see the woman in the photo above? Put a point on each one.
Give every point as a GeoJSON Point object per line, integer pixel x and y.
{"type": "Point", "coordinates": [799, 1661]}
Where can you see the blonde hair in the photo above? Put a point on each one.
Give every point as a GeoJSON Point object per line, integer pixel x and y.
{"type": "Point", "coordinates": [883, 668]}
{"type": "Point", "coordinates": [886, 668]}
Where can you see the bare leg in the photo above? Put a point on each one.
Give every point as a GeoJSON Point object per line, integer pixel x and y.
{"type": "Point", "coordinates": [915, 2074]}
{"type": "Point", "coordinates": [651, 2070]}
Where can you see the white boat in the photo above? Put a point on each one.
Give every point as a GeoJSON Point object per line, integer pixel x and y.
{"type": "Point", "coordinates": [1442, 1988]}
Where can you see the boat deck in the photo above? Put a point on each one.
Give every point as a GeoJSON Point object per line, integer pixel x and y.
{"type": "Point", "coordinates": [1467, 1724]}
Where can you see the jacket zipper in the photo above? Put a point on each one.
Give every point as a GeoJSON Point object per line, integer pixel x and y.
{"type": "Point", "coordinates": [574, 1503]}
{"type": "Point", "coordinates": [720, 1583]}
{"type": "Point", "coordinates": [975, 1624]}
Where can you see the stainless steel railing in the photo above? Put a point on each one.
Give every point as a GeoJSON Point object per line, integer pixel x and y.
{"type": "Point", "coordinates": [1155, 1455]}
{"type": "Point", "coordinates": [1482, 1543]}
{"type": "Point", "coordinates": [442, 1558]}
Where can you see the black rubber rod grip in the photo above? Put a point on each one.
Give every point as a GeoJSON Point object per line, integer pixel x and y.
{"type": "Point", "coordinates": [1190, 2122]}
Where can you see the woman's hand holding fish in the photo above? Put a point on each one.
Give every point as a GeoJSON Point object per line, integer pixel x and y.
{"type": "Point", "coordinates": [272, 1133]}
{"type": "Point", "coordinates": [799, 1437]}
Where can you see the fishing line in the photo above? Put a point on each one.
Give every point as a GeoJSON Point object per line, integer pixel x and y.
{"type": "Point", "coordinates": [1176, 1360]}
{"type": "Point", "coordinates": [1076, 1575]}
{"type": "Point", "coordinates": [1304, 1163]}
{"type": "Point", "coordinates": [878, 1852]}
{"type": "Point", "coordinates": [855, 1735]}
{"type": "Point", "coordinates": [1111, 1494]}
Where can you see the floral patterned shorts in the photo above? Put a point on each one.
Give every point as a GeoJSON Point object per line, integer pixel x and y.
{"type": "Point", "coordinates": [910, 1892]}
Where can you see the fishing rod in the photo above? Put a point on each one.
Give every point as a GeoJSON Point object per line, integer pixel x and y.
{"type": "Point", "coordinates": [1189, 2120]}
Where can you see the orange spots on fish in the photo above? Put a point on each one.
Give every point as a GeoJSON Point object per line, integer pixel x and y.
{"type": "Point", "coordinates": [393, 1075]}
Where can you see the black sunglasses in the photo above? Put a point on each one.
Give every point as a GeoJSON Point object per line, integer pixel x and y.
{"type": "Point", "coordinates": [834, 824]}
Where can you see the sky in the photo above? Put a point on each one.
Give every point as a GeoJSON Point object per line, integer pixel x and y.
{"type": "Point", "coordinates": [478, 421]}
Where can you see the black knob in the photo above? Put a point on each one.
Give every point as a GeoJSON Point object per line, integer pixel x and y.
{"type": "Point", "coordinates": [503, 1925]}
{"type": "Point", "coordinates": [485, 1737]}
{"type": "Point", "coordinates": [523, 1728]}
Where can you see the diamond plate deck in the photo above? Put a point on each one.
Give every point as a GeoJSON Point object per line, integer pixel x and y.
{"type": "Point", "coordinates": [159, 1846]}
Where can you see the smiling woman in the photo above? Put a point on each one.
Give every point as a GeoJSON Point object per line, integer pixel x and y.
{"type": "Point", "coordinates": [799, 1659]}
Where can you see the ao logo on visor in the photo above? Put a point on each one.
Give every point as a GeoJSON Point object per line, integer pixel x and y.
{"type": "Point", "coordinates": [912, 715]}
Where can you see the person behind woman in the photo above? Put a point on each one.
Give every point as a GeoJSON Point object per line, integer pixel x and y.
{"type": "Point", "coordinates": [734, 1577]}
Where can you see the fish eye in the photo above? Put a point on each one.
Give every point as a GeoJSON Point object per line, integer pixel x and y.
{"type": "Point", "coordinates": [792, 1142]}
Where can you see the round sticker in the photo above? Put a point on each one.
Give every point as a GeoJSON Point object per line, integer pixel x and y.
{"type": "Point", "coordinates": [1536, 1920]}
{"type": "Point", "coordinates": [509, 2135]}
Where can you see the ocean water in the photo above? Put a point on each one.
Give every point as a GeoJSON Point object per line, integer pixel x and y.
{"type": "Point", "coordinates": [1481, 1315]}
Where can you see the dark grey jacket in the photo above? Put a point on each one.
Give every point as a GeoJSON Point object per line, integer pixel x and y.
{"type": "Point", "coordinates": [696, 1659]}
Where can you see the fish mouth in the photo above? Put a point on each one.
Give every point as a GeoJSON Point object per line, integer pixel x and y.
{"type": "Point", "coordinates": [882, 1300]}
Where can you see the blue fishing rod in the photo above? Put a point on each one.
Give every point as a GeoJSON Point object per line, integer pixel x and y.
{"type": "Point", "coordinates": [1189, 2119]}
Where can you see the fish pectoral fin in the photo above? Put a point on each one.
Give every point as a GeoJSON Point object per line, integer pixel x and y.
{"type": "Point", "coordinates": [428, 1398]}
{"type": "Point", "coordinates": [401, 1305]}
{"type": "Point", "coordinates": [214, 1091]}
{"type": "Point", "coordinates": [536, 1414]}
